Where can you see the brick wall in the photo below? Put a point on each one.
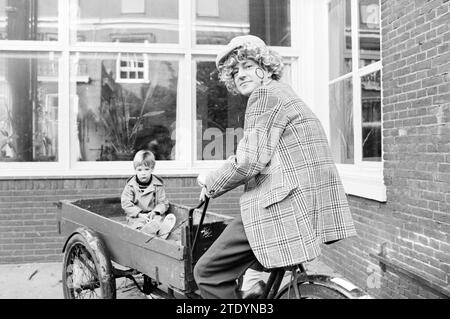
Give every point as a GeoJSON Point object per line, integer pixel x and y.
{"type": "Point", "coordinates": [28, 227]}
{"type": "Point", "coordinates": [414, 223]}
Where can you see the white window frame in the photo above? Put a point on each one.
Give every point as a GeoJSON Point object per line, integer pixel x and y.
{"type": "Point", "coordinates": [131, 61]}
{"type": "Point", "coordinates": [363, 178]}
{"type": "Point", "coordinates": [185, 52]}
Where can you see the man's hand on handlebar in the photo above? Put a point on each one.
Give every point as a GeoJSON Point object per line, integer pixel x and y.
{"type": "Point", "coordinates": [203, 194]}
{"type": "Point", "coordinates": [201, 180]}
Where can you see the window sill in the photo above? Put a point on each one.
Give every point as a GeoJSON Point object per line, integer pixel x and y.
{"type": "Point", "coordinates": [364, 181]}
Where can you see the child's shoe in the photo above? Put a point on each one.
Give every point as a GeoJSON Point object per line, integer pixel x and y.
{"type": "Point", "coordinates": [166, 226]}
{"type": "Point", "coordinates": [152, 227]}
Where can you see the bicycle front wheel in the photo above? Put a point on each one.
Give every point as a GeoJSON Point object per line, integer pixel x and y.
{"type": "Point", "coordinates": [83, 276]}
{"type": "Point", "coordinates": [310, 291]}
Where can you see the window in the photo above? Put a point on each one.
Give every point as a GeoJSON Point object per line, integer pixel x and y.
{"type": "Point", "coordinates": [116, 118]}
{"type": "Point", "coordinates": [29, 20]}
{"type": "Point", "coordinates": [50, 122]}
{"type": "Point", "coordinates": [29, 107]}
{"type": "Point", "coordinates": [341, 121]}
{"type": "Point", "coordinates": [371, 116]}
{"type": "Point", "coordinates": [369, 32]}
{"type": "Point", "coordinates": [269, 19]}
{"type": "Point", "coordinates": [105, 21]}
{"type": "Point", "coordinates": [119, 76]}
{"type": "Point", "coordinates": [133, 6]}
{"type": "Point", "coordinates": [208, 8]}
{"type": "Point", "coordinates": [220, 114]}
{"type": "Point", "coordinates": [355, 90]}
{"type": "Point", "coordinates": [130, 68]}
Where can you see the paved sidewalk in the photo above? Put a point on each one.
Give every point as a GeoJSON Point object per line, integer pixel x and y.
{"type": "Point", "coordinates": [43, 281]}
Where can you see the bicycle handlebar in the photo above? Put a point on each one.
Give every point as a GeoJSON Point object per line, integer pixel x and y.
{"type": "Point", "coordinates": [191, 221]}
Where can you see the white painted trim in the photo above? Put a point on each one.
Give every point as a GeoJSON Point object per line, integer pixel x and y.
{"type": "Point", "coordinates": [373, 67]}
{"type": "Point", "coordinates": [364, 182]}
{"type": "Point", "coordinates": [306, 62]}
{"type": "Point", "coordinates": [207, 49]}
{"type": "Point", "coordinates": [152, 48]}
{"type": "Point", "coordinates": [221, 26]}
{"type": "Point", "coordinates": [16, 45]}
{"type": "Point", "coordinates": [320, 64]}
{"type": "Point", "coordinates": [126, 23]}
{"type": "Point", "coordinates": [342, 77]}
{"type": "Point", "coordinates": [114, 47]}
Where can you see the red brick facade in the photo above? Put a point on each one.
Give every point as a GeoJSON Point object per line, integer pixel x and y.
{"type": "Point", "coordinates": [414, 223]}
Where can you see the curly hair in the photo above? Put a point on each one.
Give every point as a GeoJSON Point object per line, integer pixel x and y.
{"type": "Point", "coordinates": [263, 56]}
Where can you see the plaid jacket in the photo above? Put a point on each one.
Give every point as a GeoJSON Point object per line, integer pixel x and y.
{"type": "Point", "coordinates": [293, 199]}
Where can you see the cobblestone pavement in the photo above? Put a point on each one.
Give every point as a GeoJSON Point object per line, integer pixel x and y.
{"type": "Point", "coordinates": [43, 281]}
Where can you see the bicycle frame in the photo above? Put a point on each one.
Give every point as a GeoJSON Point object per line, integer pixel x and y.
{"type": "Point", "coordinates": [191, 221]}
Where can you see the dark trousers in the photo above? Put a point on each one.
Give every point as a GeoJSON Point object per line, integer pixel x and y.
{"type": "Point", "coordinates": [224, 262]}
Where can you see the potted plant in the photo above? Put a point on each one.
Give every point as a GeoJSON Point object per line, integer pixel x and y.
{"type": "Point", "coordinates": [122, 115]}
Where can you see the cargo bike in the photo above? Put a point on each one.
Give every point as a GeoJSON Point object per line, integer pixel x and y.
{"type": "Point", "coordinates": [100, 248]}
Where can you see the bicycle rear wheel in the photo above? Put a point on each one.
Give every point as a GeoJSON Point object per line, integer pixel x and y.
{"type": "Point", "coordinates": [310, 291]}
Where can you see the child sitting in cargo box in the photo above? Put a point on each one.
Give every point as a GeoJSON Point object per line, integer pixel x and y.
{"type": "Point", "coordinates": [144, 199]}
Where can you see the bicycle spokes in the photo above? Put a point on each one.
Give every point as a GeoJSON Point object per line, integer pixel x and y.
{"type": "Point", "coordinates": [82, 278]}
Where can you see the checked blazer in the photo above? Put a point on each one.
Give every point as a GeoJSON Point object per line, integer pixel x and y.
{"type": "Point", "coordinates": [293, 198]}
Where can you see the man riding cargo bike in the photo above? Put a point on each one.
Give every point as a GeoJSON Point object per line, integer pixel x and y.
{"type": "Point", "coordinates": [293, 199]}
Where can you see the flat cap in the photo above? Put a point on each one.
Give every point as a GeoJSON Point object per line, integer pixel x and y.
{"type": "Point", "coordinates": [239, 41]}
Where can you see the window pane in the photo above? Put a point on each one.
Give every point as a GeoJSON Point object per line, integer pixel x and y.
{"type": "Point", "coordinates": [116, 119]}
{"type": "Point", "coordinates": [369, 32]}
{"type": "Point", "coordinates": [155, 21]}
{"type": "Point", "coordinates": [340, 38]}
{"type": "Point", "coordinates": [28, 107]}
{"type": "Point", "coordinates": [132, 6]}
{"type": "Point", "coordinates": [371, 116]}
{"type": "Point", "coordinates": [267, 19]}
{"type": "Point", "coordinates": [220, 115]}
{"type": "Point", "coordinates": [208, 8]}
{"type": "Point", "coordinates": [29, 20]}
{"type": "Point", "coordinates": [341, 121]}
